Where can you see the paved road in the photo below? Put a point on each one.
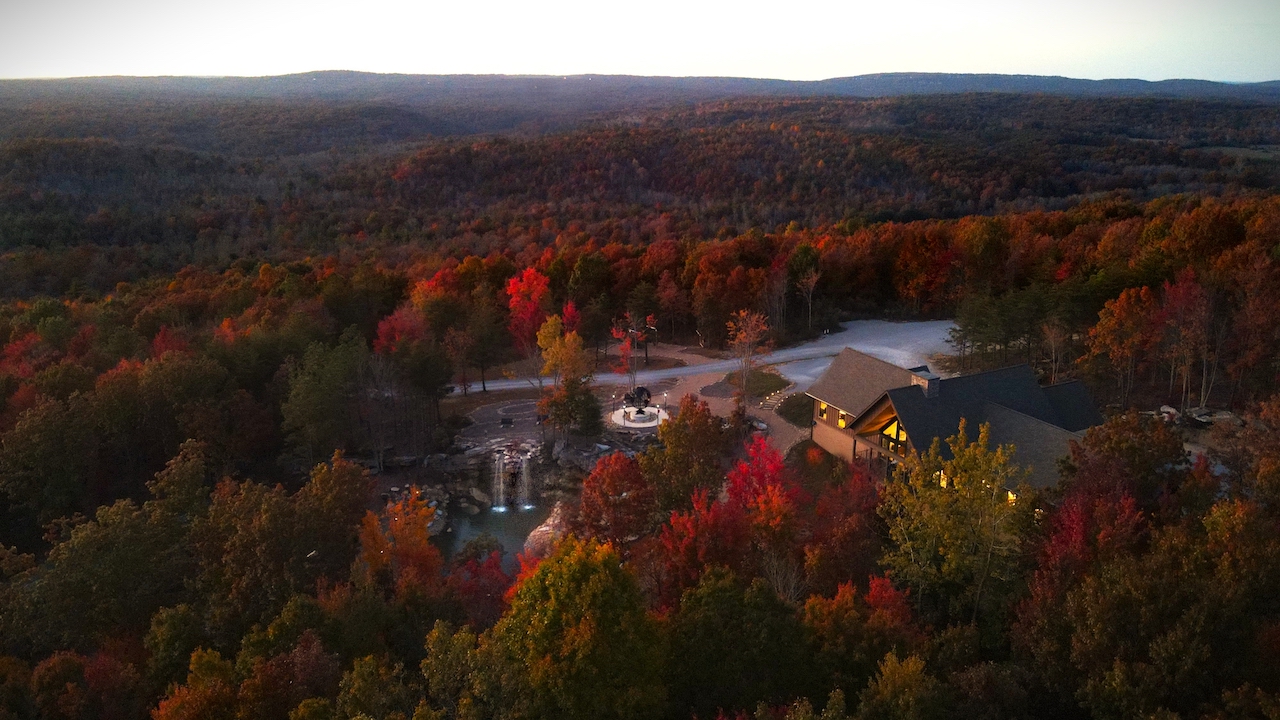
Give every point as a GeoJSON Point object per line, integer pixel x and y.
{"type": "Point", "coordinates": [905, 344]}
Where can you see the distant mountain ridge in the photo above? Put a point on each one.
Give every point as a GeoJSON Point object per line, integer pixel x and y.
{"type": "Point", "coordinates": [890, 84]}
{"type": "Point", "coordinates": [606, 92]}
{"type": "Point", "coordinates": [336, 110]}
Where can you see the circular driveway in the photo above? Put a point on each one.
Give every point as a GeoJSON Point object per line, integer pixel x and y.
{"type": "Point", "coordinates": [487, 422]}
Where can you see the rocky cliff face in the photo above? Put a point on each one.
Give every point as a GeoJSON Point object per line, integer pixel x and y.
{"type": "Point", "coordinates": [544, 537]}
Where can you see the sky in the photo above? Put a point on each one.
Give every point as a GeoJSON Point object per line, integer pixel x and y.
{"type": "Point", "coordinates": [1227, 40]}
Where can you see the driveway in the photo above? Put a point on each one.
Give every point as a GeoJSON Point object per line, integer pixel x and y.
{"type": "Point", "coordinates": [906, 344]}
{"type": "Point", "coordinates": [487, 422]}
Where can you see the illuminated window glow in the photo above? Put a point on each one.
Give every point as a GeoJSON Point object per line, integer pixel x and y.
{"type": "Point", "coordinates": [894, 438]}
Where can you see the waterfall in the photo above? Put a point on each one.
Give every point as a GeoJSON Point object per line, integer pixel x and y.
{"type": "Point", "coordinates": [525, 497]}
{"type": "Point", "coordinates": [499, 490]}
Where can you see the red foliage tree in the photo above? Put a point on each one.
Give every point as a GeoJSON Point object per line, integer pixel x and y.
{"type": "Point", "coordinates": [570, 317]}
{"type": "Point", "coordinates": [924, 265]}
{"type": "Point", "coordinates": [617, 503]}
{"type": "Point", "coordinates": [481, 585]}
{"type": "Point", "coordinates": [763, 468]}
{"type": "Point", "coordinates": [851, 632]}
{"type": "Point", "coordinates": [526, 294]}
{"type": "Point", "coordinates": [710, 534]}
{"type": "Point", "coordinates": [845, 542]}
{"type": "Point", "coordinates": [774, 505]}
{"type": "Point", "coordinates": [20, 356]}
{"type": "Point", "coordinates": [400, 330]}
{"type": "Point", "coordinates": [168, 340]}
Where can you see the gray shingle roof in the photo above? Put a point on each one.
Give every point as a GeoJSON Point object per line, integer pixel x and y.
{"type": "Point", "coordinates": [855, 380]}
{"type": "Point", "coordinates": [966, 397]}
{"type": "Point", "coordinates": [1038, 445]}
{"type": "Point", "coordinates": [1039, 421]}
{"type": "Point", "coordinates": [1075, 407]}
{"type": "Point", "coordinates": [1011, 400]}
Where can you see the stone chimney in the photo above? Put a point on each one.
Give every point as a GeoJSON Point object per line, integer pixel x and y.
{"type": "Point", "coordinates": [928, 382]}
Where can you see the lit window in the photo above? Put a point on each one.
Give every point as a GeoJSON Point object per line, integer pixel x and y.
{"type": "Point", "coordinates": [844, 420]}
{"type": "Point", "coordinates": [822, 410]}
{"type": "Point", "coordinates": [1013, 497]}
{"type": "Point", "coordinates": [894, 431]}
{"type": "Point", "coordinates": [894, 438]}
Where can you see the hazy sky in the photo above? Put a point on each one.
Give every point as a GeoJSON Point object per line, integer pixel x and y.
{"type": "Point", "coordinates": [1236, 40]}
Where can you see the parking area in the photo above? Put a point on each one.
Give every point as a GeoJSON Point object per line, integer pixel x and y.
{"type": "Point", "coordinates": [515, 420]}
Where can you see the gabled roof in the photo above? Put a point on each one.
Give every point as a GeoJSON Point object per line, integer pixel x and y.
{"type": "Point", "coordinates": [1012, 402]}
{"type": "Point", "coordinates": [966, 397]}
{"type": "Point", "coordinates": [1039, 421]}
{"type": "Point", "coordinates": [855, 380]}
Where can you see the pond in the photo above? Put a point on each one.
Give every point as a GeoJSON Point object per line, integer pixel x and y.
{"type": "Point", "coordinates": [510, 528]}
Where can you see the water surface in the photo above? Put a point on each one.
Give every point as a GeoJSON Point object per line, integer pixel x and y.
{"type": "Point", "coordinates": [510, 528]}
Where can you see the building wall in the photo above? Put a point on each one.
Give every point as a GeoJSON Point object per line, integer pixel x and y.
{"type": "Point", "coordinates": [832, 420]}
{"type": "Point", "coordinates": [844, 442]}
{"type": "Point", "coordinates": [834, 440]}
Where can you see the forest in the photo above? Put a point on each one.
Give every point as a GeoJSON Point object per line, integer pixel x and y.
{"type": "Point", "coordinates": [209, 338]}
{"type": "Point", "coordinates": [121, 195]}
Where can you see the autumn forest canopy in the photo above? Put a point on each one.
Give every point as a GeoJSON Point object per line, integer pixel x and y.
{"type": "Point", "coordinates": [217, 314]}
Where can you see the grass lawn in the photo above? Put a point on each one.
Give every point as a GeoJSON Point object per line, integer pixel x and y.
{"type": "Point", "coordinates": [797, 409]}
{"type": "Point", "coordinates": [759, 382]}
{"type": "Point", "coordinates": [708, 352]}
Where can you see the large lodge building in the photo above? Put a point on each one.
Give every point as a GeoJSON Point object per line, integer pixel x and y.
{"type": "Point", "coordinates": [869, 409]}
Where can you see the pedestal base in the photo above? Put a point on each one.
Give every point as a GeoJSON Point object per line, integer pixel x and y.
{"type": "Point", "coordinates": [630, 417]}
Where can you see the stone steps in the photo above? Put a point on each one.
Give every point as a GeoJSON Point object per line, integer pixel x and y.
{"type": "Point", "coordinates": [775, 399]}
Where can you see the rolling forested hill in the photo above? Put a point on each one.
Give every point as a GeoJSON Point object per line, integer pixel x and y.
{"type": "Point", "coordinates": [177, 181]}
{"type": "Point", "coordinates": [310, 111]}
{"type": "Point", "coordinates": [209, 286]}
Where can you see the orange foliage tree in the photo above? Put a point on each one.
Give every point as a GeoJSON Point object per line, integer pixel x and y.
{"type": "Point", "coordinates": [396, 551]}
